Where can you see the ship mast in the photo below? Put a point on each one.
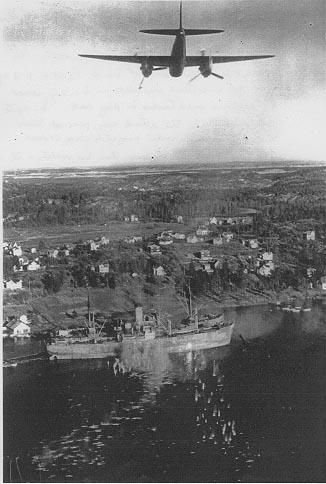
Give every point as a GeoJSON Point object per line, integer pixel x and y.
{"type": "Point", "coordinates": [91, 321]}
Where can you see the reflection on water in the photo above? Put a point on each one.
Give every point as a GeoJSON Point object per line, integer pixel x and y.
{"type": "Point", "coordinates": [253, 411]}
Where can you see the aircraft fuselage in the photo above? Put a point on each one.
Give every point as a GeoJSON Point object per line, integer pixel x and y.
{"type": "Point", "coordinates": [178, 55]}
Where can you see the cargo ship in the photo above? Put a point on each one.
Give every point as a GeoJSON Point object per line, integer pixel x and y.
{"type": "Point", "coordinates": [205, 333]}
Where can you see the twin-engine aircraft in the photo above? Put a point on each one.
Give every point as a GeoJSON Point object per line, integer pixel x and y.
{"type": "Point", "coordinates": [178, 60]}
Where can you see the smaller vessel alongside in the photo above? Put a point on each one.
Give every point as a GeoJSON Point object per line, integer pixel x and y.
{"type": "Point", "coordinates": [9, 364]}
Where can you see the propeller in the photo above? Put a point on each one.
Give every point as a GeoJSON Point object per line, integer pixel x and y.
{"type": "Point", "coordinates": [195, 77]}
{"type": "Point", "coordinates": [141, 83]}
{"type": "Point", "coordinates": [205, 71]}
{"type": "Point", "coordinates": [216, 75]}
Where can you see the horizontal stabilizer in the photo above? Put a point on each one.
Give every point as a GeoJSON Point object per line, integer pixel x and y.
{"type": "Point", "coordinates": [177, 31]}
{"type": "Point", "coordinates": [202, 31]}
{"type": "Point", "coordinates": [161, 31]}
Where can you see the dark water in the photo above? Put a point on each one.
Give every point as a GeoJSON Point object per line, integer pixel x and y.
{"type": "Point", "coordinates": [252, 412]}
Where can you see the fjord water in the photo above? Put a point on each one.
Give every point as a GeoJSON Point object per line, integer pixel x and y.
{"type": "Point", "coordinates": [254, 411]}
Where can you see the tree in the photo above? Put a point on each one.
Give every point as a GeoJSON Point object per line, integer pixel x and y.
{"type": "Point", "coordinates": [53, 281]}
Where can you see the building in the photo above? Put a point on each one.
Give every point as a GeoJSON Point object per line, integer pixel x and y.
{"type": "Point", "coordinates": [104, 240]}
{"type": "Point", "coordinates": [53, 253]}
{"type": "Point", "coordinates": [33, 266]}
{"type": "Point", "coordinates": [12, 285]}
{"type": "Point", "coordinates": [203, 254]}
{"type": "Point", "coordinates": [193, 239]}
{"type": "Point", "coordinates": [154, 249]}
{"type": "Point", "coordinates": [310, 272]}
{"type": "Point", "coordinates": [179, 236]}
{"type": "Point", "coordinates": [19, 329]}
{"type": "Point", "coordinates": [227, 236]}
{"type": "Point", "coordinates": [310, 235]}
{"type": "Point", "coordinates": [202, 231]}
{"type": "Point", "coordinates": [93, 246]}
{"type": "Point", "coordinates": [253, 244]}
{"type": "Point", "coordinates": [264, 270]}
{"type": "Point", "coordinates": [207, 268]}
{"type": "Point", "coordinates": [267, 256]}
{"type": "Point", "coordinates": [159, 271]}
{"type": "Point", "coordinates": [134, 218]}
{"type": "Point", "coordinates": [217, 240]}
{"type": "Point", "coordinates": [179, 219]}
{"type": "Point", "coordinates": [323, 283]}
{"type": "Point", "coordinates": [166, 241]}
{"type": "Point", "coordinates": [213, 221]}
{"type": "Point", "coordinates": [104, 268]}
{"type": "Point", "coordinates": [17, 250]}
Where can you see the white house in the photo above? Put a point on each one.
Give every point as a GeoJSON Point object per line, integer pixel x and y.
{"type": "Point", "coordinates": [213, 221]}
{"type": "Point", "coordinates": [19, 329]}
{"type": "Point", "coordinates": [93, 245]}
{"type": "Point", "coordinates": [12, 285]}
{"type": "Point", "coordinates": [267, 256]}
{"type": "Point", "coordinates": [202, 231]}
{"type": "Point", "coordinates": [129, 240]}
{"type": "Point", "coordinates": [33, 266]}
{"type": "Point", "coordinates": [253, 243]}
{"type": "Point", "coordinates": [104, 240]}
{"type": "Point", "coordinates": [264, 270]}
{"type": "Point", "coordinates": [24, 319]}
{"type": "Point", "coordinates": [218, 264]}
{"type": "Point", "coordinates": [310, 235]}
{"type": "Point", "coordinates": [310, 271]}
{"type": "Point", "coordinates": [159, 271]}
{"type": "Point", "coordinates": [204, 254]}
{"type": "Point", "coordinates": [207, 268]}
{"type": "Point", "coordinates": [17, 250]}
{"type": "Point", "coordinates": [154, 249]}
{"type": "Point", "coordinates": [53, 253]}
{"type": "Point", "coordinates": [193, 239]}
{"type": "Point", "coordinates": [217, 240]}
{"type": "Point", "coordinates": [227, 236]}
{"type": "Point", "coordinates": [179, 236]}
{"type": "Point", "coordinates": [104, 268]}
{"type": "Point", "coordinates": [166, 241]}
{"type": "Point", "coordinates": [323, 283]}
{"type": "Point", "coordinates": [134, 218]}
{"type": "Point", "coordinates": [179, 219]}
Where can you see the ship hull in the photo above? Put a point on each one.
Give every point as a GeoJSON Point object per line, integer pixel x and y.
{"type": "Point", "coordinates": [212, 338]}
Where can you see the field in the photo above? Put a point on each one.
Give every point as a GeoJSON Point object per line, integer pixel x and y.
{"type": "Point", "coordinates": [60, 235]}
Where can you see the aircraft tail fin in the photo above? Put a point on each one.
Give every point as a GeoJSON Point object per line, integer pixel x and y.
{"type": "Point", "coordinates": [177, 31]}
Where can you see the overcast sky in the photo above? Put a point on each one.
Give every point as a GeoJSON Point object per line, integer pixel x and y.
{"type": "Point", "coordinates": [63, 110]}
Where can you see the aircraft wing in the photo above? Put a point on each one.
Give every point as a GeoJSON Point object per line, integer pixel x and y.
{"type": "Point", "coordinates": [197, 60]}
{"type": "Point", "coordinates": [154, 60]}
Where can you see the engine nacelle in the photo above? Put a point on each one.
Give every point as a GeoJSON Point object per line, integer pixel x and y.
{"type": "Point", "coordinates": [206, 67]}
{"type": "Point", "coordinates": [146, 69]}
